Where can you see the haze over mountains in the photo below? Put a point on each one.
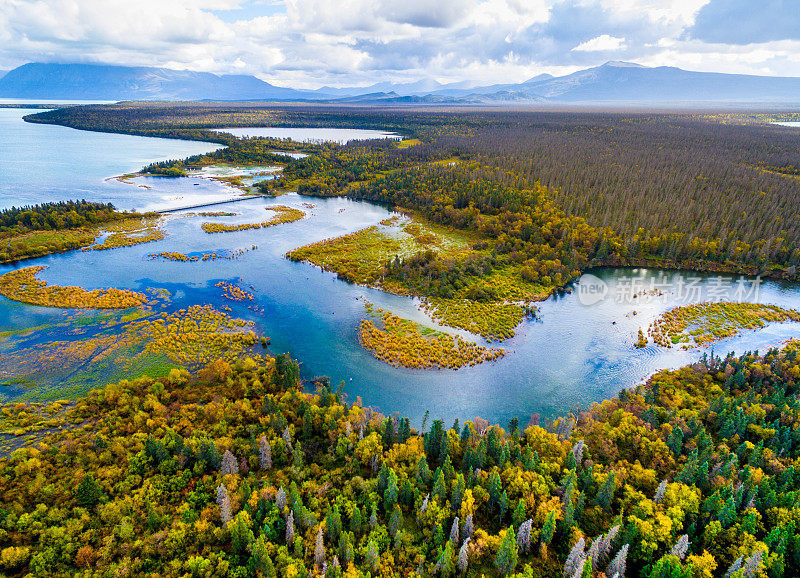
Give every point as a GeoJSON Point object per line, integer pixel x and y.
{"type": "Point", "coordinates": [611, 82]}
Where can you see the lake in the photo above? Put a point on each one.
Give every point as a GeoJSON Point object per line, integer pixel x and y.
{"type": "Point", "coordinates": [576, 352]}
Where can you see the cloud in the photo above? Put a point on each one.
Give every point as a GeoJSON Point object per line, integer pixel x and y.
{"type": "Point", "coordinates": [602, 43]}
{"type": "Point", "coordinates": [309, 43]}
{"type": "Point", "coordinates": [747, 22]}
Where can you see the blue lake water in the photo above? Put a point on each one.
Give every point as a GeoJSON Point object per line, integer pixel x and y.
{"type": "Point", "coordinates": [575, 353]}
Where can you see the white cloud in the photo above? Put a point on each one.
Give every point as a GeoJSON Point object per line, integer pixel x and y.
{"type": "Point", "coordinates": [309, 43]}
{"type": "Point", "coordinates": [602, 43]}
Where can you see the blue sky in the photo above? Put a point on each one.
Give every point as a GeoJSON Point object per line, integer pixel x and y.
{"type": "Point", "coordinates": [311, 43]}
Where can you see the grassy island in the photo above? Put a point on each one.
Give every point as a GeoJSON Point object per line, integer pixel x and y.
{"type": "Point", "coordinates": [403, 343]}
{"type": "Point", "coordinates": [22, 285]}
{"type": "Point", "coordinates": [282, 215]}
{"type": "Point", "coordinates": [389, 255]}
{"type": "Point", "coordinates": [704, 323]}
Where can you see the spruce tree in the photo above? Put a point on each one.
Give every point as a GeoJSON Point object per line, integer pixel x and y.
{"type": "Point", "coordinates": [507, 556]}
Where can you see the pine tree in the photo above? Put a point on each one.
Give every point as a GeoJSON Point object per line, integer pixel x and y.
{"type": "Point", "coordinates": [290, 528]}
{"type": "Point", "coordinates": [356, 521]}
{"type": "Point", "coordinates": [457, 495]}
{"type": "Point", "coordinates": [439, 486]}
{"type": "Point", "coordinates": [617, 566]}
{"type": "Point", "coordinates": [333, 524]}
{"type": "Point", "coordinates": [224, 503]}
{"type": "Point", "coordinates": [372, 556]}
{"type": "Point", "coordinates": [229, 464]}
{"type": "Point", "coordinates": [727, 515]}
{"type": "Point", "coordinates": [454, 532]}
{"type": "Point", "coordinates": [548, 529]}
{"type": "Point", "coordinates": [264, 454]}
{"type": "Point", "coordinates": [423, 472]}
{"type": "Point", "coordinates": [503, 505]}
{"type": "Point", "coordinates": [395, 521]}
{"type": "Point", "coordinates": [89, 493]}
{"type": "Point", "coordinates": [390, 495]}
{"type": "Point", "coordinates": [660, 491]}
{"type": "Point", "coordinates": [260, 558]}
{"type": "Point", "coordinates": [463, 557]}
{"type": "Point", "coordinates": [373, 518]}
{"type": "Point", "coordinates": [319, 550]}
{"type": "Point", "coordinates": [524, 536]}
{"type": "Point", "coordinates": [466, 531]}
{"type": "Point", "coordinates": [507, 556]}
{"type": "Point", "coordinates": [280, 499]}
{"type": "Point", "coordinates": [519, 513]}
{"type": "Point", "coordinates": [346, 548]}
{"type": "Point", "coordinates": [446, 563]}
{"type": "Point", "coordinates": [495, 487]}
{"type": "Point", "coordinates": [606, 493]}
{"type": "Point", "coordinates": [241, 534]}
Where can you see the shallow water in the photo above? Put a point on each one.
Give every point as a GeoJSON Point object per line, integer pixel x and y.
{"type": "Point", "coordinates": [572, 355]}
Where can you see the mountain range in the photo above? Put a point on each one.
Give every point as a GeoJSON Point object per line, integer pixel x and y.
{"type": "Point", "coordinates": [610, 82]}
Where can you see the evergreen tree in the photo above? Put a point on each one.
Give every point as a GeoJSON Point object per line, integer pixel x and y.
{"type": "Point", "coordinates": [507, 555]}
{"type": "Point", "coordinates": [549, 528]}
{"type": "Point", "coordinates": [606, 493]}
{"type": "Point", "coordinates": [89, 493]}
{"type": "Point", "coordinates": [229, 464]}
{"type": "Point", "coordinates": [319, 550]}
{"type": "Point", "coordinates": [439, 487]}
{"type": "Point", "coordinates": [224, 503]}
{"type": "Point", "coordinates": [390, 495]}
{"type": "Point", "coordinates": [241, 534]}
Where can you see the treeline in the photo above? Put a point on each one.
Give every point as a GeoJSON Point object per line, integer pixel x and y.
{"type": "Point", "coordinates": [237, 472]}
{"type": "Point", "coordinates": [54, 216]}
{"type": "Point", "coordinates": [247, 151]}
{"type": "Point", "coordinates": [703, 192]}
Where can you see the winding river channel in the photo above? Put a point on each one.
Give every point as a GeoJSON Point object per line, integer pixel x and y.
{"type": "Point", "coordinates": [579, 349]}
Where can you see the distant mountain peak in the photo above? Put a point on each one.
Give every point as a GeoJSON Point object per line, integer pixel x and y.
{"type": "Point", "coordinates": [614, 81]}
{"type": "Point", "coordinates": [623, 64]}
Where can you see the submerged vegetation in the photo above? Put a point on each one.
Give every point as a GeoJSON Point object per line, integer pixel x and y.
{"type": "Point", "coordinates": [234, 471]}
{"type": "Point", "coordinates": [102, 347]}
{"type": "Point", "coordinates": [130, 232]}
{"type": "Point", "coordinates": [22, 285]}
{"type": "Point", "coordinates": [704, 323]}
{"type": "Point", "coordinates": [403, 343]}
{"type": "Point", "coordinates": [282, 215]}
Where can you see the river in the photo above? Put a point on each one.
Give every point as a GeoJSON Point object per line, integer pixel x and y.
{"type": "Point", "coordinates": [574, 353]}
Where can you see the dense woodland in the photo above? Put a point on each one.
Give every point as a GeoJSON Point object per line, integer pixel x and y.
{"type": "Point", "coordinates": [53, 216]}
{"type": "Point", "coordinates": [703, 192]}
{"type": "Point", "coordinates": [236, 472]}
{"type": "Point", "coordinates": [37, 230]}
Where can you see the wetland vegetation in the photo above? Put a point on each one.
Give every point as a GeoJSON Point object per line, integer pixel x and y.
{"type": "Point", "coordinates": [404, 343]}
{"type": "Point", "coordinates": [702, 324]}
{"type": "Point", "coordinates": [230, 468]}
{"type": "Point", "coordinates": [39, 230]}
{"type": "Point", "coordinates": [282, 215]}
{"type": "Point", "coordinates": [23, 285]}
